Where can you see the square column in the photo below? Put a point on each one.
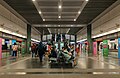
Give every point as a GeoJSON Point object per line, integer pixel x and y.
{"type": "Point", "coordinates": [28, 38]}
{"type": "Point", "coordinates": [89, 39]}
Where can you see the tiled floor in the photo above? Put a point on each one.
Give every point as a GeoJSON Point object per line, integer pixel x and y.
{"type": "Point", "coordinates": [88, 67]}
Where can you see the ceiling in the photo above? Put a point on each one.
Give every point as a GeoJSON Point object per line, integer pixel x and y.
{"type": "Point", "coordinates": [47, 12]}
{"type": "Point", "coordinates": [59, 10]}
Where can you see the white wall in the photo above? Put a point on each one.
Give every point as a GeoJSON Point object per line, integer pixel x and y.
{"type": "Point", "coordinates": [110, 21]}
{"type": "Point", "coordinates": [13, 23]}
{"type": "Point", "coordinates": [82, 34]}
{"type": "Point", "coordinates": [35, 34]}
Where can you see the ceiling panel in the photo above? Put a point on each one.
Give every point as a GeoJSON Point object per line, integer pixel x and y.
{"type": "Point", "coordinates": [72, 3]}
{"type": "Point", "coordinates": [49, 9]}
{"type": "Point", "coordinates": [47, 3]}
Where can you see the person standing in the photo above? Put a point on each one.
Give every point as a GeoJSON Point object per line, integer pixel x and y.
{"type": "Point", "coordinates": [33, 48]}
{"type": "Point", "coordinates": [15, 49]}
{"type": "Point", "coordinates": [41, 51]}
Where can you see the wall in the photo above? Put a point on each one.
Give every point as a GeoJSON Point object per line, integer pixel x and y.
{"type": "Point", "coordinates": [82, 34]}
{"type": "Point", "coordinates": [10, 22]}
{"type": "Point", "coordinates": [108, 22]}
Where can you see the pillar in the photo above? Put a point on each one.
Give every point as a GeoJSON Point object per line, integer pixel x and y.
{"type": "Point", "coordinates": [41, 37]}
{"type": "Point", "coordinates": [28, 38]}
{"type": "Point", "coordinates": [75, 39]}
{"type": "Point", "coordinates": [89, 39]}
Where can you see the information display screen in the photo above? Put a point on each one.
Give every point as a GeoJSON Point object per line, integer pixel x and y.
{"type": "Point", "coordinates": [67, 36]}
{"type": "Point", "coordinates": [72, 37]}
{"type": "Point", "coordinates": [49, 36]}
{"type": "Point", "coordinates": [44, 37]}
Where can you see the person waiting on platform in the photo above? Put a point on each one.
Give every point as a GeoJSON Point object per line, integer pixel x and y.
{"type": "Point", "coordinates": [53, 53]}
{"type": "Point", "coordinates": [41, 51]}
{"type": "Point", "coordinates": [67, 55]}
{"type": "Point", "coordinates": [33, 48]}
{"type": "Point", "coordinates": [15, 49]}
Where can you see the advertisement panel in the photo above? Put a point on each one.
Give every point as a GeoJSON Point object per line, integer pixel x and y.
{"type": "Point", "coordinates": [0, 48]}
{"type": "Point", "coordinates": [118, 47]}
{"type": "Point", "coordinates": [94, 48]}
{"type": "Point", "coordinates": [105, 47]}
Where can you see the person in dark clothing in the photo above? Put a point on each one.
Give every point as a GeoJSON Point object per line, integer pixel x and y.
{"type": "Point", "coordinates": [41, 51]}
{"type": "Point", "coordinates": [53, 53]}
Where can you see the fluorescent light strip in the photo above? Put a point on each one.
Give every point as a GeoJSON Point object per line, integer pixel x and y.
{"type": "Point", "coordinates": [68, 30]}
{"type": "Point", "coordinates": [82, 40]}
{"type": "Point", "coordinates": [106, 33]}
{"type": "Point", "coordinates": [35, 40]}
{"type": "Point", "coordinates": [103, 34]}
{"type": "Point", "coordinates": [13, 33]}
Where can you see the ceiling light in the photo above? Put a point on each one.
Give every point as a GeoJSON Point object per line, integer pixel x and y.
{"type": "Point", "coordinates": [59, 17]}
{"type": "Point", "coordinates": [60, 6]}
{"type": "Point", "coordinates": [40, 12]}
{"type": "Point", "coordinates": [87, 0]}
{"type": "Point", "coordinates": [79, 12]}
{"type": "Point", "coordinates": [43, 19]}
{"type": "Point", "coordinates": [74, 19]}
{"type": "Point", "coordinates": [33, 0]}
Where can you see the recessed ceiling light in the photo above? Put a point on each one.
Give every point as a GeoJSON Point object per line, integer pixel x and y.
{"type": "Point", "coordinates": [40, 12]}
{"type": "Point", "coordinates": [59, 17]}
{"type": "Point", "coordinates": [60, 6]}
{"type": "Point", "coordinates": [33, 0]}
{"type": "Point", "coordinates": [43, 19]}
{"type": "Point", "coordinates": [74, 19]}
{"type": "Point", "coordinates": [79, 12]}
{"type": "Point", "coordinates": [87, 0]}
